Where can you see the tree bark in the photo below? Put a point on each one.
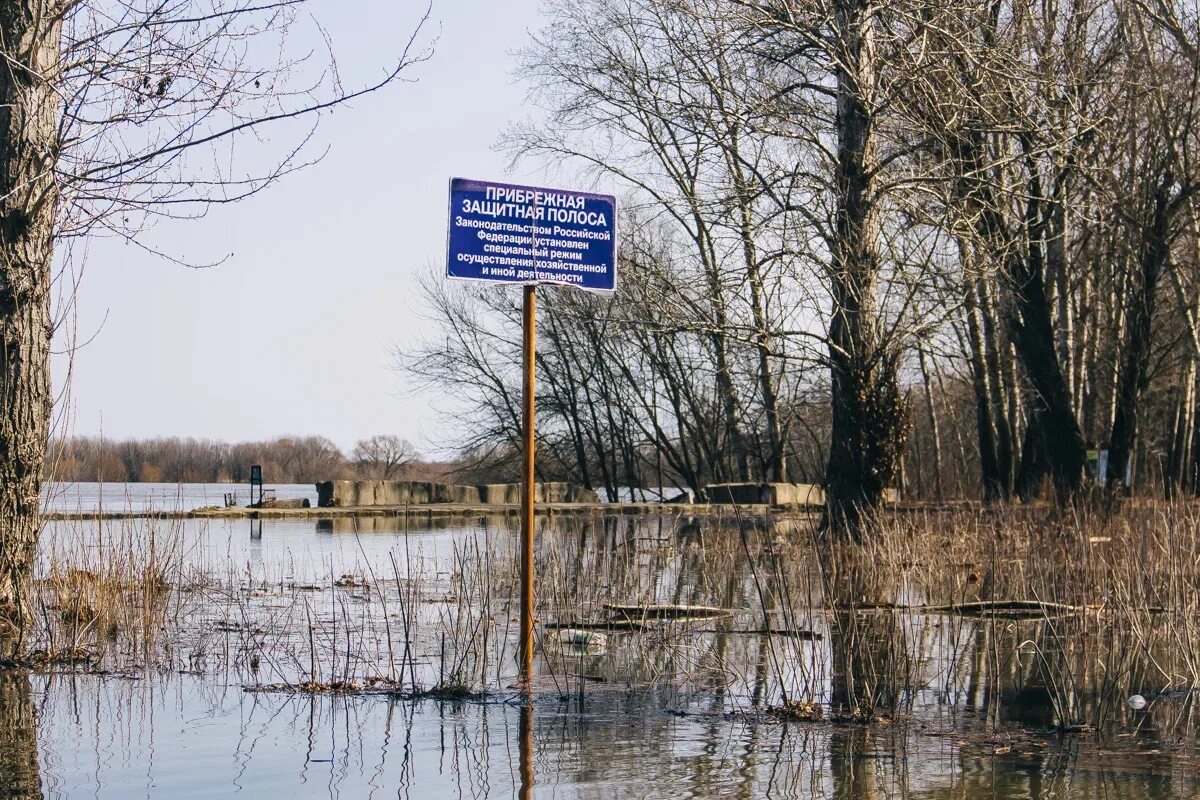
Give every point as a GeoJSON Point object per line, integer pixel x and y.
{"type": "Point", "coordinates": [1181, 434]}
{"type": "Point", "coordinates": [30, 34]}
{"type": "Point", "coordinates": [869, 411]}
{"type": "Point", "coordinates": [1056, 431]}
{"type": "Point", "coordinates": [992, 476]}
{"type": "Point", "coordinates": [1131, 383]}
{"type": "Point", "coordinates": [975, 192]}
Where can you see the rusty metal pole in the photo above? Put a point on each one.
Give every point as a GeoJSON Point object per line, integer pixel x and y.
{"type": "Point", "coordinates": [525, 751]}
{"type": "Point", "coordinates": [525, 651]}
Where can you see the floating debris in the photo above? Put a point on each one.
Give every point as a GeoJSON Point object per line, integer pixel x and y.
{"type": "Point", "coordinates": [579, 636]}
{"type": "Point", "coordinates": [66, 657]}
{"type": "Point", "coordinates": [602, 625]}
{"type": "Point", "coordinates": [1015, 609]}
{"type": "Point", "coordinates": [583, 641]}
{"type": "Point", "coordinates": [666, 611]}
{"type": "Point", "coordinates": [1006, 608]}
{"type": "Point", "coordinates": [802, 635]}
{"type": "Point", "coordinates": [798, 711]}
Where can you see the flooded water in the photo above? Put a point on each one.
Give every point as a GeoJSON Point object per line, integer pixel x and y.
{"type": "Point", "coordinates": [93, 497]}
{"type": "Point", "coordinates": [189, 737]}
{"type": "Point", "coordinates": [161, 497]}
{"type": "Point", "coordinates": [200, 680]}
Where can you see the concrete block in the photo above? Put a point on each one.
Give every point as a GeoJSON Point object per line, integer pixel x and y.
{"type": "Point", "coordinates": [499, 494]}
{"type": "Point", "coordinates": [337, 493]}
{"type": "Point", "coordinates": [578, 494]}
{"type": "Point", "coordinates": [735, 493]}
{"type": "Point", "coordinates": [493, 494]}
{"type": "Point", "coordinates": [794, 494]}
{"type": "Point", "coordinates": [452, 493]}
{"type": "Point", "coordinates": [774, 494]}
{"type": "Point", "coordinates": [415, 493]}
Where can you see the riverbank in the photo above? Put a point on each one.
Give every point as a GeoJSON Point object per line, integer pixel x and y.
{"type": "Point", "coordinates": [427, 511]}
{"type": "Point", "coordinates": [434, 511]}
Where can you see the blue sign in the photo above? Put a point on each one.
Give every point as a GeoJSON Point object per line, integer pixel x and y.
{"type": "Point", "coordinates": [523, 234]}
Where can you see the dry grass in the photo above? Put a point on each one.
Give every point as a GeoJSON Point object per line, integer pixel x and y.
{"type": "Point", "coordinates": [1004, 615]}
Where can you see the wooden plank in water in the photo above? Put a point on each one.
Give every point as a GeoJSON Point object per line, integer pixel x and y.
{"type": "Point", "coordinates": [665, 610]}
{"type": "Point", "coordinates": [602, 625]}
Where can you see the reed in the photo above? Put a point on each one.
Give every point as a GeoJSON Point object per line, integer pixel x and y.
{"type": "Point", "coordinates": [1007, 614]}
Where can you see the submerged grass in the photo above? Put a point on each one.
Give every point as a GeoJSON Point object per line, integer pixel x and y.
{"type": "Point", "coordinates": [1003, 616]}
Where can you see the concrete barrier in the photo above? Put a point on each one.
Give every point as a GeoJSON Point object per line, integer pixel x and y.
{"type": "Point", "coordinates": [375, 493]}
{"type": "Point", "coordinates": [772, 494]}
{"type": "Point", "coordinates": [402, 493]}
{"type": "Point", "coordinates": [549, 492]}
{"type": "Point", "coordinates": [499, 494]}
{"type": "Point", "coordinates": [337, 493]}
{"type": "Point", "coordinates": [453, 493]}
{"type": "Point", "coordinates": [735, 493]}
{"type": "Point", "coordinates": [794, 494]}
{"type": "Point", "coordinates": [348, 494]}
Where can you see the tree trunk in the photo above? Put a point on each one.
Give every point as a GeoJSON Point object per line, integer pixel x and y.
{"type": "Point", "coordinates": [1153, 252]}
{"type": "Point", "coordinates": [869, 411]}
{"type": "Point", "coordinates": [777, 458]}
{"type": "Point", "coordinates": [1056, 430]}
{"type": "Point", "coordinates": [935, 432]}
{"type": "Point", "coordinates": [30, 33]}
{"type": "Point", "coordinates": [1181, 434]}
{"type": "Point", "coordinates": [976, 194]}
{"type": "Point", "coordinates": [725, 388]}
{"type": "Point", "coordinates": [1191, 468]}
{"type": "Point", "coordinates": [992, 476]}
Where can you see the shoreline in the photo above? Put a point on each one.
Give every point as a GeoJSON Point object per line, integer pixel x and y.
{"type": "Point", "coordinates": [418, 511]}
{"type": "Point", "coordinates": [436, 510]}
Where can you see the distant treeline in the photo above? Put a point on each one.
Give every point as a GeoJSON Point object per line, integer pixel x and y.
{"type": "Point", "coordinates": [287, 459]}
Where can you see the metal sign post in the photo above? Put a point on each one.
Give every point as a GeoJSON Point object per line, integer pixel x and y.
{"type": "Point", "coordinates": [501, 233]}
{"type": "Point", "coordinates": [528, 497]}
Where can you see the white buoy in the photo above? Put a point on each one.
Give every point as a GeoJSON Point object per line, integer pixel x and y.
{"type": "Point", "coordinates": [1137, 702]}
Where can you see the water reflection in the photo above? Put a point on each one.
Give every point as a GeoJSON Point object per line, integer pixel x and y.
{"type": "Point", "coordinates": [867, 647]}
{"type": "Point", "coordinates": [665, 708]}
{"type": "Point", "coordinates": [19, 775]}
{"type": "Point", "coordinates": [186, 737]}
{"type": "Point", "coordinates": [525, 790]}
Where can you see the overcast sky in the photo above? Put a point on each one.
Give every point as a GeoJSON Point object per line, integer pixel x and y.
{"type": "Point", "coordinates": [292, 335]}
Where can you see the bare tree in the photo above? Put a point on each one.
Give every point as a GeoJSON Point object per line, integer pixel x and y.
{"type": "Point", "coordinates": [976, 206]}
{"type": "Point", "coordinates": [384, 456]}
{"type": "Point", "coordinates": [1155, 178]}
{"type": "Point", "coordinates": [661, 97]}
{"type": "Point", "coordinates": [114, 113]}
